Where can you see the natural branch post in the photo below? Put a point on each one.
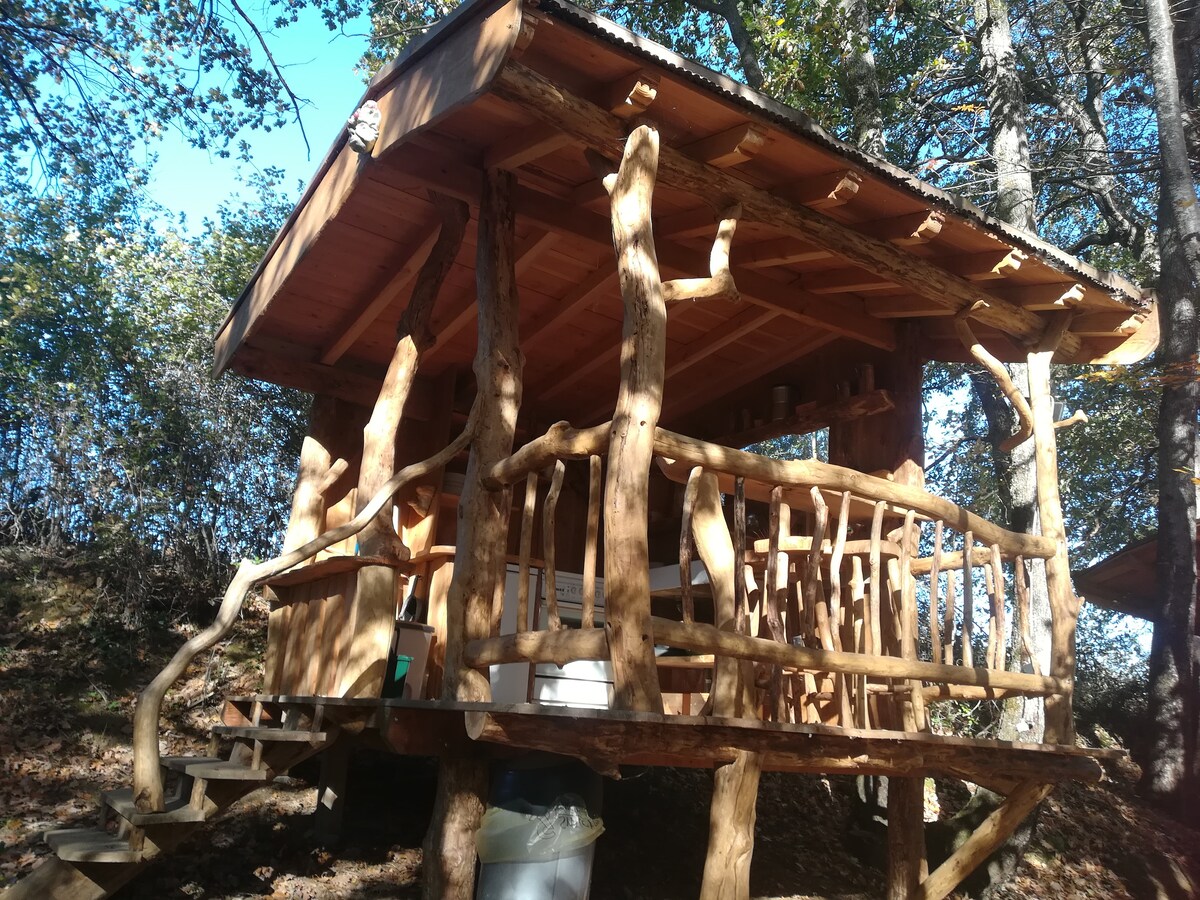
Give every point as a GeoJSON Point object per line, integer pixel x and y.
{"type": "Point", "coordinates": [631, 445]}
{"type": "Point", "coordinates": [1000, 374]}
{"type": "Point", "coordinates": [373, 614]}
{"type": "Point", "coordinates": [483, 517]}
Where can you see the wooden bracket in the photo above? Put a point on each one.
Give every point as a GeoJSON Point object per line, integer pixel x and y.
{"type": "Point", "coordinates": [719, 284]}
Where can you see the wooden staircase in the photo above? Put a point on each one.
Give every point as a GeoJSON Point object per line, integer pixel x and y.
{"type": "Point", "coordinates": [92, 863]}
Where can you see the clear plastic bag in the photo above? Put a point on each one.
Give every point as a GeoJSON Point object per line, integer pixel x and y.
{"type": "Point", "coordinates": [521, 832]}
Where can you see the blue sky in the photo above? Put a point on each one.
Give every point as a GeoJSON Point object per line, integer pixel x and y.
{"type": "Point", "coordinates": [321, 67]}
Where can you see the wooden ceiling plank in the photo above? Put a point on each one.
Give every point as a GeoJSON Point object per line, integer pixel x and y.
{"type": "Point", "coordinates": [573, 302]}
{"type": "Point", "coordinates": [725, 381]}
{"type": "Point", "coordinates": [777, 252]}
{"type": "Point", "coordinates": [597, 128]}
{"type": "Point", "coordinates": [745, 322]}
{"type": "Point", "coordinates": [730, 147]}
{"type": "Point", "coordinates": [414, 257]}
{"type": "Point", "coordinates": [524, 146]}
{"type": "Point", "coordinates": [533, 246]}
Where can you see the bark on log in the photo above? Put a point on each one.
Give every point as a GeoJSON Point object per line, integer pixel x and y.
{"type": "Point", "coordinates": [631, 445]}
{"type": "Point", "coordinates": [1064, 605]}
{"type": "Point", "coordinates": [905, 837]}
{"type": "Point", "coordinates": [561, 441]}
{"type": "Point", "coordinates": [483, 517]}
{"type": "Point", "coordinates": [735, 784]}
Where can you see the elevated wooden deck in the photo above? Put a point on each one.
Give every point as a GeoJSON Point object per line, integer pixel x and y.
{"type": "Point", "coordinates": [609, 739]}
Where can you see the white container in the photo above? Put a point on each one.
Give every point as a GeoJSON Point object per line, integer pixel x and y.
{"type": "Point", "coordinates": [566, 877]}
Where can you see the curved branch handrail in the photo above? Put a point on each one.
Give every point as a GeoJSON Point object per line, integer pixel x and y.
{"type": "Point", "coordinates": [147, 776]}
{"type": "Point", "coordinates": [688, 452]}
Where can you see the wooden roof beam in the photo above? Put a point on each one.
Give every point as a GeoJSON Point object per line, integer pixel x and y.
{"type": "Point", "coordinates": [843, 318]}
{"type": "Point", "coordinates": [777, 252]}
{"type": "Point", "coordinates": [413, 257]}
{"type": "Point", "coordinates": [525, 145]}
{"type": "Point", "coordinates": [818, 192]}
{"type": "Point", "coordinates": [823, 191]}
{"type": "Point", "coordinates": [599, 129]}
{"type": "Point", "coordinates": [570, 305]}
{"type": "Point", "coordinates": [904, 307]}
{"type": "Point", "coordinates": [843, 281]}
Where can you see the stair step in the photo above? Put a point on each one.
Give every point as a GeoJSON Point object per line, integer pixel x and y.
{"type": "Point", "coordinates": [91, 845]}
{"type": "Point", "coordinates": [263, 733]}
{"type": "Point", "coordinates": [212, 768]}
{"type": "Point", "coordinates": [180, 810]}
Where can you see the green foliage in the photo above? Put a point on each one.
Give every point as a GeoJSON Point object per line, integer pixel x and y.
{"type": "Point", "coordinates": [116, 439]}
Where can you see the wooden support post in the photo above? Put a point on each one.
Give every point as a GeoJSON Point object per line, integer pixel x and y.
{"type": "Point", "coordinates": [554, 622]}
{"type": "Point", "coordinates": [631, 446]}
{"type": "Point", "coordinates": [905, 837]}
{"type": "Point", "coordinates": [304, 524]}
{"type": "Point", "coordinates": [331, 794]}
{"type": "Point", "coordinates": [1064, 605]}
{"type": "Point", "coordinates": [482, 535]}
{"type": "Point", "coordinates": [735, 783]}
{"type": "Point", "coordinates": [525, 550]}
{"type": "Point", "coordinates": [373, 614]}
{"type": "Point", "coordinates": [995, 830]}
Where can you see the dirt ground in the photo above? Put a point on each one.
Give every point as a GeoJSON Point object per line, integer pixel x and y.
{"type": "Point", "coordinates": [68, 677]}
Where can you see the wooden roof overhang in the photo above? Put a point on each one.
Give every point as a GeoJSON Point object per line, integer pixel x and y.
{"type": "Point", "coordinates": [1127, 581]}
{"type": "Point", "coordinates": [833, 251]}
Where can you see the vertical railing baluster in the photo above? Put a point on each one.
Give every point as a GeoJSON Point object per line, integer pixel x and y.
{"type": "Point", "coordinates": [771, 598]}
{"type": "Point", "coordinates": [556, 483]}
{"type": "Point", "coordinates": [968, 620]}
{"type": "Point", "coordinates": [591, 542]}
{"type": "Point", "coordinates": [1001, 612]}
{"type": "Point", "coordinates": [685, 544]}
{"type": "Point", "coordinates": [525, 551]}
{"type": "Point", "coordinates": [935, 572]}
{"type": "Point", "coordinates": [741, 601]}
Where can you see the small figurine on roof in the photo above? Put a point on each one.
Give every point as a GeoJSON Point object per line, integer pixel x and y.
{"type": "Point", "coordinates": [363, 127]}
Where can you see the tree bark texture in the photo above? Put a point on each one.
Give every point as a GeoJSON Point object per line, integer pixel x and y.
{"type": "Point", "coordinates": [631, 446]}
{"type": "Point", "coordinates": [483, 517]}
{"type": "Point", "coordinates": [860, 80]}
{"type": "Point", "coordinates": [1174, 695]}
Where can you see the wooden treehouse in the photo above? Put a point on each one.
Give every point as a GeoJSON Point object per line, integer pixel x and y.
{"type": "Point", "coordinates": [451, 296]}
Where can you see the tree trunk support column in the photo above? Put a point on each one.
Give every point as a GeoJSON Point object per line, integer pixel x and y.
{"type": "Point", "coordinates": [905, 837]}
{"type": "Point", "coordinates": [374, 612]}
{"type": "Point", "coordinates": [735, 783]}
{"type": "Point", "coordinates": [1064, 605]}
{"type": "Point", "coordinates": [631, 447]}
{"type": "Point", "coordinates": [482, 537]}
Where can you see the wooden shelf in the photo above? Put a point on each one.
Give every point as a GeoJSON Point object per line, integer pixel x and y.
{"type": "Point", "coordinates": [332, 565]}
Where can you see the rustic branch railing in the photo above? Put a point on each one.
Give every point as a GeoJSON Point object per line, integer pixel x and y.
{"type": "Point", "coordinates": [147, 776]}
{"type": "Point", "coordinates": [834, 621]}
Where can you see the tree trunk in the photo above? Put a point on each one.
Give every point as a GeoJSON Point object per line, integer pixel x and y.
{"type": "Point", "coordinates": [1174, 695]}
{"type": "Point", "coordinates": [482, 535]}
{"type": "Point", "coordinates": [860, 81]}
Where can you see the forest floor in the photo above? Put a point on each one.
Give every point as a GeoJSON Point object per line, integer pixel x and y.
{"type": "Point", "coordinates": [69, 673]}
